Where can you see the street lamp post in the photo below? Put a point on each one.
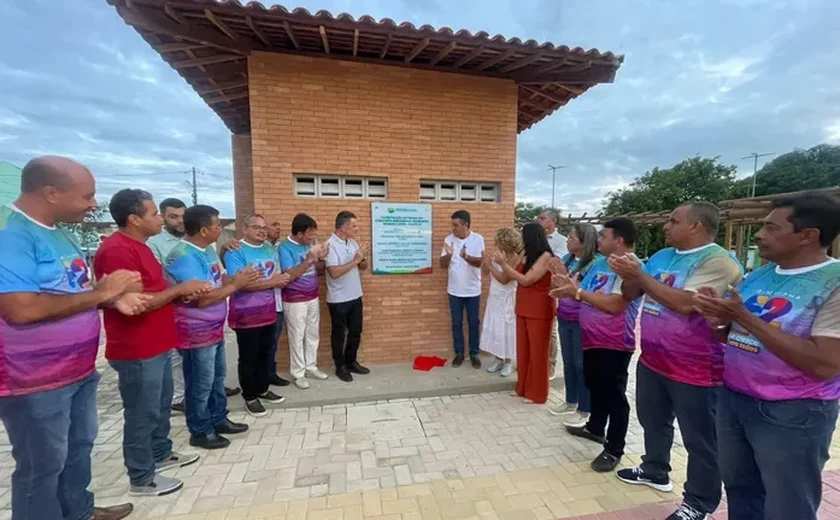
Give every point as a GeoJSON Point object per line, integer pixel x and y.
{"type": "Point", "coordinates": [554, 182]}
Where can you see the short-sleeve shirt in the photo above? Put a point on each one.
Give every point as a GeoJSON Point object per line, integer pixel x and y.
{"type": "Point", "coordinates": [197, 326]}
{"type": "Point", "coordinates": [464, 279]}
{"type": "Point", "coordinates": [558, 244]}
{"type": "Point", "coordinates": [162, 244]}
{"type": "Point", "coordinates": [349, 286]}
{"type": "Point", "coordinates": [251, 309]}
{"type": "Point", "coordinates": [305, 287]}
{"type": "Point", "coordinates": [50, 354]}
{"type": "Point", "coordinates": [127, 337]}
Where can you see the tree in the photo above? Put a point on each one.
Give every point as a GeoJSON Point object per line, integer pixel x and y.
{"type": "Point", "coordinates": [86, 231]}
{"type": "Point", "coordinates": [526, 211]}
{"type": "Point", "coordinates": [696, 178]}
{"type": "Point", "coordinates": [817, 167]}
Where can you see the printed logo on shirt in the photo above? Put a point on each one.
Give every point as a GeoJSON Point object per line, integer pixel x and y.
{"type": "Point", "coordinates": [598, 282]}
{"type": "Point", "coordinates": [769, 308]}
{"type": "Point", "coordinates": [77, 273]}
{"type": "Point", "coordinates": [653, 307]}
{"type": "Point", "coordinates": [667, 278]}
{"type": "Point", "coordinates": [266, 267]}
{"type": "Point", "coordinates": [216, 271]}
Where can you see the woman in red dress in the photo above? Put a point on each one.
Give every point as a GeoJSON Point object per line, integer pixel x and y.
{"type": "Point", "coordinates": [534, 312]}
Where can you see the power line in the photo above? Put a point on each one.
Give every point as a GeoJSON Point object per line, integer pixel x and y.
{"type": "Point", "coordinates": [754, 156]}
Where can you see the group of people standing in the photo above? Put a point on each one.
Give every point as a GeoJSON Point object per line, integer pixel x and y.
{"type": "Point", "coordinates": [165, 295]}
{"type": "Point", "coordinates": [748, 366]}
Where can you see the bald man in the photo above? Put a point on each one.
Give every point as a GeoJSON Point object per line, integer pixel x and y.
{"type": "Point", "coordinates": [49, 337]}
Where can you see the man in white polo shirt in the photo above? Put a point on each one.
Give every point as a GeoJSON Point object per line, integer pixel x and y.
{"type": "Point", "coordinates": [462, 254]}
{"type": "Point", "coordinates": [344, 295]}
{"type": "Point", "coordinates": [549, 219]}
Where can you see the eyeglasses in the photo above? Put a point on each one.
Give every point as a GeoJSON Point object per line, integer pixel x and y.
{"type": "Point", "coordinates": [259, 228]}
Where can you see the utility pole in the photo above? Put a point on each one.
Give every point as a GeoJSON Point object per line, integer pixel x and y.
{"type": "Point", "coordinates": [554, 182]}
{"type": "Point", "coordinates": [194, 186]}
{"type": "Point", "coordinates": [754, 156]}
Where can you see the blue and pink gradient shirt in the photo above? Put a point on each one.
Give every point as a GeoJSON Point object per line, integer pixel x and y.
{"type": "Point", "coordinates": [790, 300]}
{"type": "Point", "coordinates": [305, 287]}
{"type": "Point", "coordinates": [251, 309]}
{"type": "Point", "coordinates": [49, 354]}
{"type": "Point", "coordinates": [568, 309]}
{"type": "Point", "coordinates": [197, 326]}
{"type": "Point", "coordinates": [601, 329]}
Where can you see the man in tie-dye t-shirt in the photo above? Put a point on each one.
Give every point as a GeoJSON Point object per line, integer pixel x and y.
{"type": "Point", "coordinates": [253, 313]}
{"type": "Point", "coordinates": [781, 376]}
{"type": "Point", "coordinates": [201, 323]}
{"type": "Point", "coordinates": [681, 364]}
{"type": "Point", "coordinates": [49, 337]}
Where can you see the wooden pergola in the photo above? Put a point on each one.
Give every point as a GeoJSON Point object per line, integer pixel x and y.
{"type": "Point", "coordinates": [208, 42]}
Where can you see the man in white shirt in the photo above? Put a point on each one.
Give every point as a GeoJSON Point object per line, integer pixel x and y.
{"type": "Point", "coordinates": [462, 254]}
{"type": "Point", "coordinates": [344, 295]}
{"type": "Point", "coordinates": [549, 219]}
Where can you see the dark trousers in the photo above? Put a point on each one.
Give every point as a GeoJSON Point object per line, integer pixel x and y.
{"type": "Point", "coordinates": [272, 362]}
{"type": "Point", "coordinates": [146, 391]}
{"type": "Point", "coordinates": [255, 346]}
{"type": "Point", "coordinates": [605, 373]}
{"type": "Point", "coordinates": [346, 332]}
{"type": "Point", "coordinates": [457, 306]}
{"type": "Point", "coordinates": [772, 455]}
{"type": "Point", "coordinates": [204, 387]}
{"type": "Point", "coordinates": [658, 401]}
{"type": "Point", "coordinates": [571, 348]}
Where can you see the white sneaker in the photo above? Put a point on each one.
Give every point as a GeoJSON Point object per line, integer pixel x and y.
{"type": "Point", "coordinates": [507, 370]}
{"type": "Point", "coordinates": [563, 409]}
{"type": "Point", "coordinates": [495, 366]}
{"type": "Point", "coordinates": [316, 373]}
{"type": "Point", "coordinates": [302, 383]}
{"type": "Point", "coordinates": [577, 420]}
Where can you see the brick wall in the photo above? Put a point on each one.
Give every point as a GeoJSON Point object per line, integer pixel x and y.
{"type": "Point", "coordinates": [243, 180]}
{"type": "Point", "coordinates": [312, 115]}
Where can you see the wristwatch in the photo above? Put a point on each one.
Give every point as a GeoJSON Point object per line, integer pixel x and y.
{"type": "Point", "coordinates": [577, 293]}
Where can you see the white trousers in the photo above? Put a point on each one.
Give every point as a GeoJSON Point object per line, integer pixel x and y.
{"type": "Point", "coordinates": [177, 376]}
{"type": "Point", "coordinates": [303, 321]}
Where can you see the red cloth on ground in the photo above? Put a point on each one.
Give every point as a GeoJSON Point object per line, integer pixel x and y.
{"type": "Point", "coordinates": [426, 363]}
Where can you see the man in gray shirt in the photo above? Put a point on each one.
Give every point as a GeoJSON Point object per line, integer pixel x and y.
{"type": "Point", "coordinates": [344, 295]}
{"type": "Point", "coordinates": [549, 219]}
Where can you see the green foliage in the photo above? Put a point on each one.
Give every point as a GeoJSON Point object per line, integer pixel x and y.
{"type": "Point", "coordinates": [526, 211]}
{"type": "Point", "coordinates": [817, 167]}
{"type": "Point", "coordinates": [86, 231]}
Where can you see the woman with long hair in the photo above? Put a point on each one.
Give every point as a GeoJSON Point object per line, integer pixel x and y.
{"type": "Point", "coordinates": [583, 251]}
{"type": "Point", "coordinates": [534, 311]}
{"type": "Point", "coordinates": [498, 332]}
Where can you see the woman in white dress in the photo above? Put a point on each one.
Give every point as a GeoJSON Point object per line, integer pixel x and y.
{"type": "Point", "coordinates": [498, 332]}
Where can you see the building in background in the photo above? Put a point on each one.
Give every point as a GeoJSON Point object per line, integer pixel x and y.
{"type": "Point", "coordinates": [334, 113]}
{"type": "Point", "coordinates": [9, 182]}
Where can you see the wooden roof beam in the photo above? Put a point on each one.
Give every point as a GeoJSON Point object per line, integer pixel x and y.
{"type": "Point", "coordinates": [218, 87]}
{"type": "Point", "coordinates": [523, 62]}
{"type": "Point", "coordinates": [533, 105]}
{"type": "Point", "coordinates": [222, 26]}
{"type": "Point", "coordinates": [544, 94]}
{"type": "Point", "coordinates": [553, 66]}
{"type": "Point", "coordinates": [355, 42]}
{"type": "Point", "coordinates": [172, 13]}
{"type": "Point", "coordinates": [324, 39]}
{"type": "Point", "coordinates": [177, 46]}
{"type": "Point", "coordinates": [573, 90]}
{"type": "Point", "coordinates": [587, 77]}
{"type": "Point", "coordinates": [384, 51]}
{"type": "Point", "coordinates": [422, 44]}
{"type": "Point", "coordinates": [498, 58]}
{"type": "Point", "coordinates": [209, 60]}
{"type": "Point", "coordinates": [163, 25]}
{"type": "Point", "coordinates": [443, 53]}
{"type": "Point", "coordinates": [256, 30]}
{"type": "Point", "coordinates": [288, 28]}
{"type": "Point", "coordinates": [212, 100]}
{"type": "Point", "coordinates": [469, 57]}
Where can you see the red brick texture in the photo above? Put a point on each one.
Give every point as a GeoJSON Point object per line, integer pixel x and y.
{"type": "Point", "coordinates": [322, 116]}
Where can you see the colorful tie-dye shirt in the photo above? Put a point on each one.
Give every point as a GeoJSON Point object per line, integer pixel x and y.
{"type": "Point", "coordinates": [790, 300]}
{"type": "Point", "coordinates": [679, 347]}
{"type": "Point", "coordinates": [250, 309]}
{"type": "Point", "coordinates": [305, 287]}
{"type": "Point", "coordinates": [568, 309]}
{"type": "Point", "coordinates": [197, 326]}
{"type": "Point", "coordinates": [53, 353]}
{"type": "Point", "coordinates": [601, 329]}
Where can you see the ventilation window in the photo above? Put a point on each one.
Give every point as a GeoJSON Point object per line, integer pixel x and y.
{"type": "Point", "coordinates": [338, 187]}
{"type": "Point", "coordinates": [449, 191]}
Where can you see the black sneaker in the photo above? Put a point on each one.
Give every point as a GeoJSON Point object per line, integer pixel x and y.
{"type": "Point", "coordinates": [344, 374]}
{"type": "Point", "coordinates": [271, 397]}
{"type": "Point", "coordinates": [229, 427]}
{"type": "Point", "coordinates": [356, 368]}
{"type": "Point", "coordinates": [180, 407]}
{"type": "Point", "coordinates": [636, 476]}
{"type": "Point", "coordinates": [275, 380]}
{"type": "Point", "coordinates": [458, 361]}
{"type": "Point", "coordinates": [211, 441]}
{"type": "Point", "coordinates": [583, 433]}
{"type": "Point", "coordinates": [605, 462]}
{"type": "Point", "coordinates": [255, 408]}
{"type": "Point", "coordinates": [230, 392]}
{"type": "Point", "coordinates": [475, 361]}
{"type": "Point", "coordinates": [686, 512]}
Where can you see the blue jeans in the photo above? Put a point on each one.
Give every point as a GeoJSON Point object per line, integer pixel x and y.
{"type": "Point", "coordinates": [204, 388]}
{"type": "Point", "coordinates": [278, 328]}
{"type": "Point", "coordinates": [457, 305]}
{"type": "Point", "coordinates": [52, 436]}
{"type": "Point", "coordinates": [772, 454]}
{"type": "Point", "coordinates": [571, 348]}
{"type": "Point", "coordinates": [146, 391]}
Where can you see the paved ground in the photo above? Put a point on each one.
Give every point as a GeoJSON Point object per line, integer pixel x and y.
{"type": "Point", "coordinates": [483, 456]}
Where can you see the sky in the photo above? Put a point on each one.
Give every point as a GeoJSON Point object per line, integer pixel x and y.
{"type": "Point", "coordinates": [710, 77]}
